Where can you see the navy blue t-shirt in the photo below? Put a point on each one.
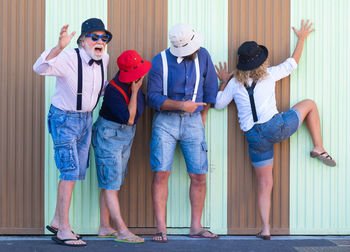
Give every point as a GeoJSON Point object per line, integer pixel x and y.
{"type": "Point", "coordinates": [114, 107]}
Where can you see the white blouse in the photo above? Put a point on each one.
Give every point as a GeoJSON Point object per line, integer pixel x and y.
{"type": "Point", "coordinates": [264, 95]}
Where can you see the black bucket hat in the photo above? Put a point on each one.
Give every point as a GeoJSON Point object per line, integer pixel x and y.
{"type": "Point", "coordinates": [251, 55]}
{"type": "Point", "coordinates": [93, 24]}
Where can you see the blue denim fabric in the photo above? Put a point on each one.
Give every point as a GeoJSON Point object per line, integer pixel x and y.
{"type": "Point", "coordinates": [71, 135]}
{"type": "Point", "coordinates": [262, 137]}
{"type": "Point", "coordinates": [112, 144]}
{"type": "Point", "coordinates": [168, 128]}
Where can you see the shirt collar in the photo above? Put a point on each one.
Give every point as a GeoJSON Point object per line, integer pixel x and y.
{"type": "Point", "coordinates": [179, 60]}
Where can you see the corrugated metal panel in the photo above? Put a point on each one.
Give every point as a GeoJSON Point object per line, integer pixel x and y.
{"type": "Point", "coordinates": [84, 212]}
{"type": "Point", "coordinates": [266, 22]}
{"type": "Point", "coordinates": [141, 26]}
{"type": "Point", "coordinates": [21, 111]}
{"type": "Point", "coordinates": [319, 201]}
{"type": "Point", "coordinates": [210, 18]}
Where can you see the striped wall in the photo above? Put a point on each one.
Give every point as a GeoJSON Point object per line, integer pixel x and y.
{"type": "Point", "coordinates": [319, 195]}
{"type": "Point", "coordinates": [22, 25]}
{"type": "Point", "coordinates": [309, 198]}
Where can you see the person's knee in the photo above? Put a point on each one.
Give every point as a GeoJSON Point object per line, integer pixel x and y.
{"type": "Point", "coordinates": [310, 103]}
{"type": "Point", "coordinates": [160, 177]}
{"type": "Point", "coordinates": [266, 184]}
{"type": "Point", "coordinates": [198, 179]}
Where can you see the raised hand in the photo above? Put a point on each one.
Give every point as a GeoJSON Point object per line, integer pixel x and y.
{"type": "Point", "coordinates": [222, 73]}
{"type": "Point", "coordinates": [304, 31]}
{"type": "Point", "coordinates": [190, 106]}
{"type": "Point", "coordinates": [64, 38]}
{"type": "Point", "coordinates": [135, 85]}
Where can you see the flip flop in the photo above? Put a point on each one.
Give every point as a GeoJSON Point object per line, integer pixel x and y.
{"type": "Point", "coordinates": [200, 235]}
{"type": "Point", "coordinates": [55, 230]}
{"type": "Point", "coordinates": [324, 157]}
{"type": "Point", "coordinates": [264, 237]}
{"type": "Point", "coordinates": [63, 242]}
{"type": "Point", "coordinates": [127, 239]}
{"type": "Point", "coordinates": [161, 235]}
{"type": "Point", "coordinates": [110, 235]}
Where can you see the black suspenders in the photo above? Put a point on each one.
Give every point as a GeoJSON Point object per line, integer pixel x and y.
{"type": "Point", "coordinates": [251, 99]}
{"type": "Point", "coordinates": [80, 82]}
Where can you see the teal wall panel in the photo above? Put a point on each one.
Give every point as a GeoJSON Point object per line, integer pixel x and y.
{"type": "Point", "coordinates": [319, 195]}
{"type": "Point", "coordinates": [210, 18]}
{"type": "Point", "coordinates": [84, 212]}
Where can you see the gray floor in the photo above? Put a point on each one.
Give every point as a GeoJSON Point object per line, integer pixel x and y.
{"type": "Point", "coordinates": [182, 243]}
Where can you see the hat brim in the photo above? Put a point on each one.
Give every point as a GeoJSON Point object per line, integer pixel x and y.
{"type": "Point", "coordinates": [135, 74]}
{"type": "Point", "coordinates": [190, 48]}
{"type": "Point", "coordinates": [106, 31]}
{"type": "Point", "coordinates": [256, 62]}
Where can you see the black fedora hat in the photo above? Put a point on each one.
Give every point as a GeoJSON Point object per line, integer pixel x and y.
{"type": "Point", "coordinates": [251, 55]}
{"type": "Point", "coordinates": [93, 24]}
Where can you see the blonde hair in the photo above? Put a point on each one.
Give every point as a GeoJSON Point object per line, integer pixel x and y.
{"type": "Point", "coordinates": [256, 74]}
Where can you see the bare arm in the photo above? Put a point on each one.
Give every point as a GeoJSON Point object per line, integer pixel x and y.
{"type": "Point", "coordinates": [135, 86]}
{"type": "Point", "coordinates": [63, 41]}
{"type": "Point", "coordinates": [302, 34]}
{"type": "Point", "coordinates": [187, 106]}
{"type": "Point", "coordinates": [204, 113]}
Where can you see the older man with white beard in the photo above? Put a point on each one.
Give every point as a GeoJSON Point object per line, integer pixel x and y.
{"type": "Point", "coordinates": [80, 79]}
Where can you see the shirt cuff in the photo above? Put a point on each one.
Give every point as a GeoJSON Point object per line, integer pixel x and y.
{"type": "Point", "coordinates": [44, 55]}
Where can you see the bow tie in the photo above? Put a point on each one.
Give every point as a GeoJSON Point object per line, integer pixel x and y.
{"type": "Point", "coordinates": [98, 62]}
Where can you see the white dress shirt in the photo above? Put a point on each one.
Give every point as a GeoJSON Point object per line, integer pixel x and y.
{"type": "Point", "coordinates": [65, 68]}
{"type": "Point", "coordinates": [264, 95]}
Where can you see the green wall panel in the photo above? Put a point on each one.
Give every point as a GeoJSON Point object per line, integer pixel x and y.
{"type": "Point", "coordinates": [84, 212]}
{"type": "Point", "coordinates": [319, 195]}
{"type": "Point", "coordinates": [210, 18]}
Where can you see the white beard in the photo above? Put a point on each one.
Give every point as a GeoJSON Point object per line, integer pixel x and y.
{"type": "Point", "coordinates": [91, 52]}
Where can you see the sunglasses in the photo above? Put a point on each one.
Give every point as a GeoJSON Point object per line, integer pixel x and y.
{"type": "Point", "coordinates": [96, 37]}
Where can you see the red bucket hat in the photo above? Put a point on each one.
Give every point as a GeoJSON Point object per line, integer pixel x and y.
{"type": "Point", "coordinates": [132, 67]}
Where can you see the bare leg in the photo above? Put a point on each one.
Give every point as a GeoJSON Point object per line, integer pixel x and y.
{"type": "Point", "coordinates": [64, 197]}
{"type": "Point", "coordinates": [160, 197]}
{"type": "Point", "coordinates": [105, 225]}
{"type": "Point", "coordinates": [309, 112]}
{"type": "Point", "coordinates": [265, 183]}
{"type": "Point", "coordinates": [197, 198]}
{"type": "Point", "coordinates": [110, 199]}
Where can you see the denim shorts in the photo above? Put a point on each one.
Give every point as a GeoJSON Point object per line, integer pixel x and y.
{"type": "Point", "coordinates": [112, 144]}
{"type": "Point", "coordinates": [169, 128]}
{"type": "Point", "coordinates": [71, 135]}
{"type": "Point", "coordinates": [262, 137]}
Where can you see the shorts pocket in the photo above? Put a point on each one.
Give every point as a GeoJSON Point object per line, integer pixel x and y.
{"type": "Point", "coordinates": [105, 170]}
{"type": "Point", "coordinates": [203, 155]}
{"type": "Point", "coordinates": [273, 131]}
{"type": "Point", "coordinates": [58, 120]}
{"type": "Point", "coordinates": [64, 157]}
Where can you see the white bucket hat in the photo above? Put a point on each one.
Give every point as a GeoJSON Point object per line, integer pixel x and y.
{"type": "Point", "coordinates": [184, 40]}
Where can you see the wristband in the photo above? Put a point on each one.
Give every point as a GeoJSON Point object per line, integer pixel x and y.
{"type": "Point", "coordinates": [183, 106]}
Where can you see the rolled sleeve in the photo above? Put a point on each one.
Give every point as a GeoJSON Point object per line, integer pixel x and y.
{"type": "Point", "coordinates": [283, 70]}
{"type": "Point", "coordinates": [48, 67]}
{"type": "Point", "coordinates": [155, 84]}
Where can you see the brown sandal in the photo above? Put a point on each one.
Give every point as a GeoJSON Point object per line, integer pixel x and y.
{"type": "Point", "coordinates": [324, 157]}
{"type": "Point", "coordinates": [264, 237]}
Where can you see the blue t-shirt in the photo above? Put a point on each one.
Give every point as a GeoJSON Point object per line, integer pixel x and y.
{"type": "Point", "coordinates": [114, 107]}
{"type": "Point", "coordinates": [182, 79]}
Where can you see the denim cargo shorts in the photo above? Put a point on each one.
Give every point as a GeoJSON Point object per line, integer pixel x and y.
{"type": "Point", "coordinates": [71, 135]}
{"type": "Point", "coordinates": [171, 127]}
{"type": "Point", "coordinates": [112, 144]}
{"type": "Point", "coordinates": [262, 137]}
